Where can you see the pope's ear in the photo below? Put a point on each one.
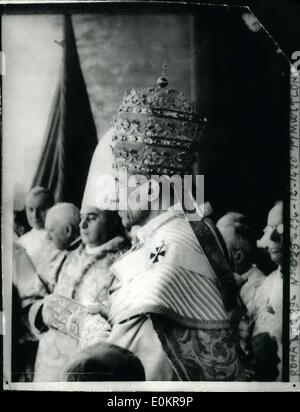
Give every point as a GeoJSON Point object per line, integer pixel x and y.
{"type": "Point", "coordinates": [239, 256]}
{"type": "Point", "coordinates": [68, 230]}
{"type": "Point", "coordinates": [153, 190]}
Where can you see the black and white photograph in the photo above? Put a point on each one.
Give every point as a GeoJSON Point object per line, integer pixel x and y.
{"type": "Point", "coordinates": [150, 198]}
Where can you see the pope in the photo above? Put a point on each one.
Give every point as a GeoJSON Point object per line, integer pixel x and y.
{"type": "Point", "coordinates": [172, 294]}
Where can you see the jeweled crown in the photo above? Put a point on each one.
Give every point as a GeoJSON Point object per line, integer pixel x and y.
{"type": "Point", "coordinates": [156, 131]}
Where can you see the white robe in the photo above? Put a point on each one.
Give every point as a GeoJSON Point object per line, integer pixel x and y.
{"type": "Point", "coordinates": [166, 306]}
{"type": "Point", "coordinates": [38, 247]}
{"type": "Point", "coordinates": [268, 305]}
{"type": "Point", "coordinates": [84, 280]}
{"type": "Point", "coordinates": [254, 278]}
{"type": "Point", "coordinates": [24, 274]}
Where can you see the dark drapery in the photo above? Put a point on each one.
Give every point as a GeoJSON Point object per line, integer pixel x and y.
{"type": "Point", "coordinates": [71, 134]}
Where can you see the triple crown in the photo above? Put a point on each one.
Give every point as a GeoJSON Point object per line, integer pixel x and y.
{"type": "Point", "coordinates": [156, 131]}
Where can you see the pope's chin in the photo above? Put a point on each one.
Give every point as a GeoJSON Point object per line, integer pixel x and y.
{"type": "Point", "coordinates": [84, 237]}
{"type": "Point", "coordinates": [276, 255]}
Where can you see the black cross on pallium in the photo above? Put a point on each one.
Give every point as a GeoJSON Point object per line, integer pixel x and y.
{"type": "Point", "coordinates": [154, 256]}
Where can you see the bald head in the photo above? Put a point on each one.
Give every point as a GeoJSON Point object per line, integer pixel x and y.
{"type": "Point", "coordinates": [38, 201]}
{"type": "Point", "coordinates": [239, 239]}
{"type": "Point", "coordinates": [62, 224]}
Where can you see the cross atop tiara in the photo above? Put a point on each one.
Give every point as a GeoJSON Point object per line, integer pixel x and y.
{"type": "Point", "coordinates": [164, 69]}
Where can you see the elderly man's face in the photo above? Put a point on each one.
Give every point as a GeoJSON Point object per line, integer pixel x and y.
{"type": "Point", "coordinates": [93, 226]}
{"type": "Point", "coordinates": [129, 189]}
{"type": "Point", "coordinates": [58, 232]}
{"type": "Point", "coordinates": [272, 239]}
{"type": "Point", "coordinates": [36, 210]}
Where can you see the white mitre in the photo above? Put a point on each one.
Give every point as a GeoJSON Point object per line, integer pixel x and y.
{"type": "Point", "coordinates": [100, 168]}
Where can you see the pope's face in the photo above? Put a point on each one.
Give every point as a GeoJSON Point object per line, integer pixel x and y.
{"type": "Point", "coordinates": [36, 210]}
{"type": "Point", "coordinates": [272, 239]}
{"type": "Point", "coordinates": [129, 188]}
{"type": "Point", "coordinates": [92, 226]}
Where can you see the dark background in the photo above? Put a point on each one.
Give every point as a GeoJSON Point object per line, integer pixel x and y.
{"type": "Point", "coordinates": [242, 84]}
